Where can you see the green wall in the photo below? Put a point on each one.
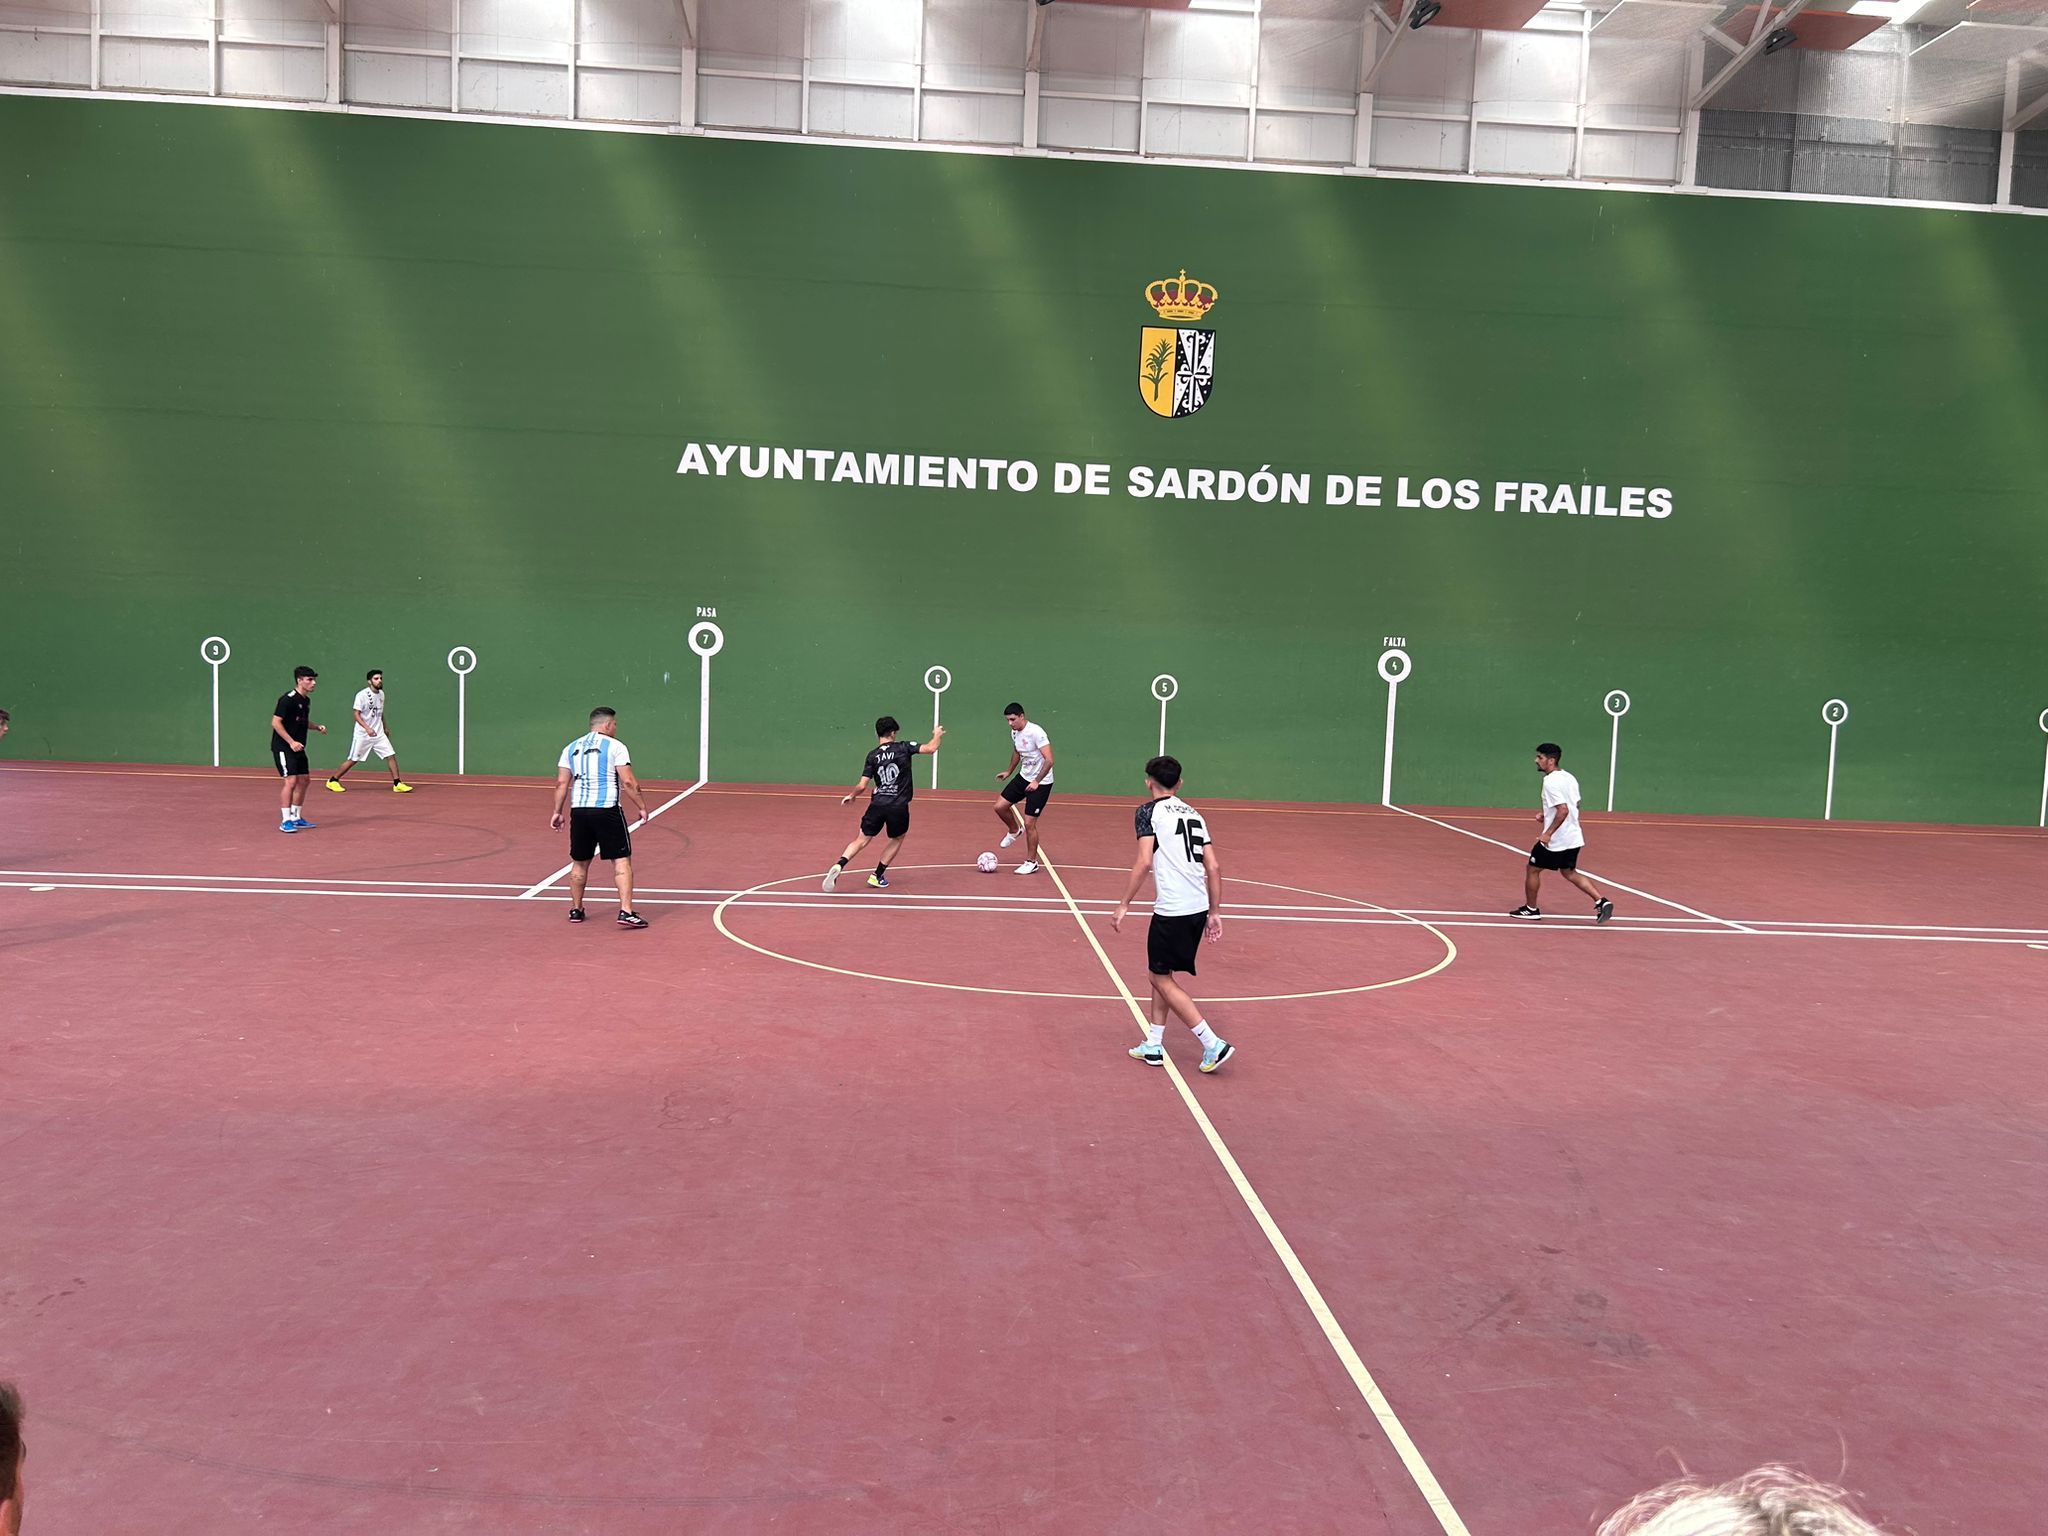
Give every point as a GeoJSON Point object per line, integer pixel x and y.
{"type": "Point", "coordinates": [351, 391]}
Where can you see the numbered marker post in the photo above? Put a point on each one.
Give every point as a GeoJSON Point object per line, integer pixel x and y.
{"type": "Point", "coordinates": [707, 640]}
{"type": "Point", "coordinates": [2044, 775]}
{"type": "Point", "coordinates": [1165, 687]}
{"type": "Point", "coordinates": [213, 651]}
{"type": "Point", "coordinates": [1832, 714]}
{"type": "Point", "coordinates": [462, 662]}
{"type": "Point", "coordinates": [938, 679]}
{"type": "Point", "coordinates": [1395, 667]}
{"type": "Point", "coordinates": [1616, 705]}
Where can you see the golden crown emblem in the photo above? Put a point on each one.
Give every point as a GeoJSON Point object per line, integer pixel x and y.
{"type": "Point", "coordinates": [1179, 299]}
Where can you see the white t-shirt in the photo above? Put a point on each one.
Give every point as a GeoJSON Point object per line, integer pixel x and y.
{"type": "Point", "coordinates": [594, 761]}
{"type": "Point", "coordinates": [370, 705]}
{"type": "Point", "coordinates": [1031, 743]}
{"type": "Point", "coordinates": [1179, 869]}
{"type": "Point", "coordinates": [1560, 788]}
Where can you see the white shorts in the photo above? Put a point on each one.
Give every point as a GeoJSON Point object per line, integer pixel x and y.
{"type": "Point", "coordinates": [363, 745]}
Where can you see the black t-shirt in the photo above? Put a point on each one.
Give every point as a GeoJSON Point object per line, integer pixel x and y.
{"type": "Point", "coordinates": [888, 769]}
{"type": "Point", "coordinates": [294, 710]}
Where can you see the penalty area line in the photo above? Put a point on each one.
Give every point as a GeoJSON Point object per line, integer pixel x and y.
{"type": "Point", "coordinates": [1383, 1411]}
{"type": "Point", "coordinates": [676, 799]}
{"type": "Point", "coordinates": [1662, 901]}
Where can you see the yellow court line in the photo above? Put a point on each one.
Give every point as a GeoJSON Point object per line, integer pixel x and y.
{"type": "Point", "coordinates": [1376, 1400]}
{"type": "Point", "coordinates": [718, 921]}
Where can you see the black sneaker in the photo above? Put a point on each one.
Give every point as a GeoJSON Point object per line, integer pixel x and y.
{"type": "Point", "coordinates": [632, 920]}
{"type": "Point", "coordinates": [1528, 912]}
{"type": "Point", "coordinates": [575, 914]}
{"type": "Point", "coordinates": [1603, 909]}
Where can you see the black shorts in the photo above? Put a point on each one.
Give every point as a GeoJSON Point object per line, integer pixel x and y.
{"type": "Point", "coordinates": [893, 814]}
{"type": "Point", "coordinates": [1171, 944]}
{"type": "Point", "coordinates": [1554, 858]}
{"type": "Point", "coordinates": [599, 833]}
{"type": "Point", "coordinates": [290, 764]}
{"type": "Point", "coordinates": [1034, 799]}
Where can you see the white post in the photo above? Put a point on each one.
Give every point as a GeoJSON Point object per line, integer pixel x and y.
{"type": "Point", "coordinates": [213, 651]}
{"type": "Point", "coordinates": [1394, 666]}
{"type": "Point", "coordinates": [938, 679]}
{"type": "Point", "coordinates": [1164, 688]}
{"type": "Point", "coordinates": [1833, 713]}
{"type": "Point", "coordinates": [1616, 705]}
{"type": "Point", "coordinates": [462, 662]}
{"type": "Point", "coordinates": [707, 640]}
{"type": "Point", "coordinates": [2044, 775]}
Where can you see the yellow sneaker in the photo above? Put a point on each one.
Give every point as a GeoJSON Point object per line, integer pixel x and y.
{"type": "Point", "coordinates": [400, 788]}
{"type": "Point", "coordinates": [337, 786]}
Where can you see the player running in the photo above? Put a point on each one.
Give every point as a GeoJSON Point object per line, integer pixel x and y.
{"type": "Point", "coordinates": [1559, 841]}
{"type": "Point", "coordinates": [1187, 897]}
{"type": "Point", "coordinates": [886, 774]}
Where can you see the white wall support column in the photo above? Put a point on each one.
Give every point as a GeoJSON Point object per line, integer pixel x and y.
{"type": "Point", "coordinates": [1585, 91]}
{"type": "Point", "coordinates": [454, 55]}
{"type": "Point", "coordinates": [1689, 117]}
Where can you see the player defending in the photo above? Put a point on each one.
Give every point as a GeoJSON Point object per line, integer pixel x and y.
{"type": "Point", "coordinates": [1187, 898]}
{"type": "Point", "coordinates": [1559, 841]}
{"type": "Point", "coordinates": [886, 774]}
{"type": "Point", "coordinates": [1030, 780]}
{"type": "Point", "coordinates": [288, 727]}
{"type": "Point", "coordinates": [595, 769]}
{"type": "Point", "coordinates": [370, 737]}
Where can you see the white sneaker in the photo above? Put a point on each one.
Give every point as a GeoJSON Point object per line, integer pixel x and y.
{"type": "Point", "coordinates": [1009, 838]}
{"type": "Point", "coordinates": [831, 877]}
{"type": "Point", "coordinates": [1028, 867]}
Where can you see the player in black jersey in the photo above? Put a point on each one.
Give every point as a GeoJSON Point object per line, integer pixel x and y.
{"type": "Point", "coordinates": [288, 726]}
{"type": "Point", "coordinates": [887, 774]}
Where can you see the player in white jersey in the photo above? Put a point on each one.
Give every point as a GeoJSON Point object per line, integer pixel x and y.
{"type": "Point", "coordinates": [1559, 841]}
{"type": "Point", "coordinates": [595, 771]}
{"type": "Point", "coordinates": [1174, 845]}
{"type": "Point", "coordinates": [370, 736]}
{"type": "Point", "coordinates": [1030, 781]}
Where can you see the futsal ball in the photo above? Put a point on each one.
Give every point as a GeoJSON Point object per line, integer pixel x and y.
{"type": "Point", "coordinates": [986, 863]}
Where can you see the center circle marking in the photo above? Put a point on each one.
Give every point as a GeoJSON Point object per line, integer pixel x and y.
{"type": "Point", "coordinates": [1450, 949]}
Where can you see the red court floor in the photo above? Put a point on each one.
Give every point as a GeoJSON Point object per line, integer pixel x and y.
{"type": "Point", "coordinates": [353, 1189]}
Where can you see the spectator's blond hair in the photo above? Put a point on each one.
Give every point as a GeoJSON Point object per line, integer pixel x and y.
{"type": "Point", "coordinates": [1771, 1501]}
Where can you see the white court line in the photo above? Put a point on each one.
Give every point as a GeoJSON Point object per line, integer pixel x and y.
{"type": "Point", "coordinates": [675, 799]}
{"type": "Point", "coordinates": [443, 885]}
{"type": "Point", "coordinates": [1376, 1400]}
{"type": "Point", "coordinates": [1677, 906]}
{"type": "Point", "coordinates": [692, 897]}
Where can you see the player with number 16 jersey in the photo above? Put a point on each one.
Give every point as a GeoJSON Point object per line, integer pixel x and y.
{"type": "Point", "coordinates": [1176, 848]}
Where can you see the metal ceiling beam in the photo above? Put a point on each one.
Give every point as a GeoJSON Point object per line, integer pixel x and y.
{"type": "Point", "coordinates": [1036, 46]}
{"type": "Point", "coordinates": [2027, 114]}
{"type": "Point", "coordinates": [687, 10]}
{"type": "Point", "coordinates": [1386, 51]}
{"type": "Point", "coordinates": [1766, 24]}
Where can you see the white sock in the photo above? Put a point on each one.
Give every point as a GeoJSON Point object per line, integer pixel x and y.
{"type": "Point", "coordinates": [1155, 1034]}
{"type": "Point", "coordinates": [285, 814]}
{"type": "Point", "coordinates": [1207, 1036]}
{"type": "Point", "coordinates": [298, 813]}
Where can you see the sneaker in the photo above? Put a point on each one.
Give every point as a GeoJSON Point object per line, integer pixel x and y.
{"type": "Point", "coordinates": [1151, 1055]}
{"type": "Point", "coordinates": [632, 920]}
{"type": "Point", "coordinates": [879, 881]}
{"type": "Point", "coordinates": [1009, 838]}
{"type": "Point", "coordinates": [1217, 1054]}
{"type": "Point", "coordinates": [399, 788]}
{"type": "Point", "coordinates": [288, 826]}
{"type": "Point", "coordinates": [1603, 909]}
{"type": "Point", "coordinates": [337, 786]}
{"type": "Point", "coordinates": [575, 914]}
{"type": "Point", "coordinates": [304, 825]}
{"type": "Point", "coordinates": [832, 877]}
{"type": "Point", "coordinates": [1028, 867]}
{"type": "Point", "coordinates": [1526, 911]}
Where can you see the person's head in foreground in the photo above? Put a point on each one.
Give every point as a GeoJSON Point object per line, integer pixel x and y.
{"type": "Point", "coordinates": [1162, 776]}
{"type": "Point", "coordinates": [12, 1454]}
{"type": "Point", "coordinates": [1771, 1501]}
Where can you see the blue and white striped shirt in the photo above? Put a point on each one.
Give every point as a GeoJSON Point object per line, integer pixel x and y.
{"type": "Point", "coordinates": [594, 760]}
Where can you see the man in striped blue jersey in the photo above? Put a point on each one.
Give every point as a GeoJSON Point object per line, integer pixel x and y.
{"type": "Point", "coordinates": [594, 771]}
